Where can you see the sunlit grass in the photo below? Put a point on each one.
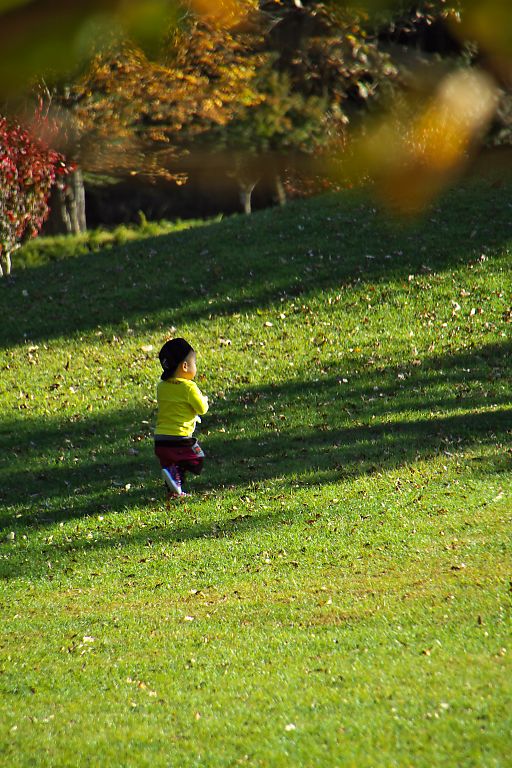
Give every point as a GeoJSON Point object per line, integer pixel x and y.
{"type": "Point", "coordinates": [336, 590]}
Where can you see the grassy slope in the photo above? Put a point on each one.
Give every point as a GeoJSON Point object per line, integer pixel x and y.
{"type": "Point", "coordinates": [336, 591]}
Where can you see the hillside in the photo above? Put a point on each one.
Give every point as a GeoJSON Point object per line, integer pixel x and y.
{"type": "Point", "coordinates": [335, 591]}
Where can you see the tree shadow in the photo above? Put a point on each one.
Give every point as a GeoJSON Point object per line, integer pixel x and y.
{"type": "Point", "coordinates": [381, 420]}
{"type": "Point", "coordinates": [89, 465]}
{"type": "Point", "coordinates": [224, 268]}
{"type": "Point", "coordinates": [378, 421]}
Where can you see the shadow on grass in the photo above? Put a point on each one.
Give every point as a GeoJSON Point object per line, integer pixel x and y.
{"type": "Point", "coordinates": [329, 242]}
{"type": "Point", "coordinates": [299, 432]}
{"type": "Point", "coordinates": [90, 465]}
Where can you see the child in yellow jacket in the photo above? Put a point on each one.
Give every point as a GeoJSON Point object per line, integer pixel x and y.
{"type": "Point", "coordinates": [180, 406]}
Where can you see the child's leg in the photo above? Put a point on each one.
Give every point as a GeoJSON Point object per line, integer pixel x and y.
{"type": "Point", "coordinates": [194, 466]}
{"type": "Point", "coordinates": [170, 472]}
{"type": "Point", "coordinates": [182, 474]}
{"type": "Point", "coordinates": [172, 479]}
{"type": "Point", "coordinates": [175, 462]}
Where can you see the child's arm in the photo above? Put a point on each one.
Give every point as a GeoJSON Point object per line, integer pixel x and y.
{"type": "Point", "coordinates": [197, 400]}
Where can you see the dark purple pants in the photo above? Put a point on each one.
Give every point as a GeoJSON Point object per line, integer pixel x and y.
{"type": "Point", "coordinates": [186, 454]}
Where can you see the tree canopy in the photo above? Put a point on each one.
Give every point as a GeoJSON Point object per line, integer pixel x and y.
{"type": "Point", "coordinates": [399, 92]}
{"type": "Point", "coordinates": [28, 169]}
{"type": "Point", "coordinates": [283, 82]}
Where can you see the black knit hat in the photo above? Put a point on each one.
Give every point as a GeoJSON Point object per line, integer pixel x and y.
{"type": "Point", "coordinates": [172, 354]}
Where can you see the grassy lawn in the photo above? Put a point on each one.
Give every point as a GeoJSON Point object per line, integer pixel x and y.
{"type": "Point", "coordinates": [337, 589]}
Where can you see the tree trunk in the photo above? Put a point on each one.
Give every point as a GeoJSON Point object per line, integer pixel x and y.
{"type": "Point", "coordinates": [78, 204]}
{"type": "Point", "coordinates": [5, 264]}
{"type": "Point", "coordinates": [246, 190]}
{"type": "Point", "coordinates": [67, 205]}
{"type": "Point", "coordinates": [61, 218]}
{"type": "Point", "coordinates": [280, 190]}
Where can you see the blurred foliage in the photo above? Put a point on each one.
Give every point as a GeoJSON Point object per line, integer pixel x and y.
{"type": "Point", "coordinates": [149, 86]}
{"type": "Point", "coordinates": [420, 146]}
{"type": "Point", "coordinates": [48, 38]}
{"type": "Point", "coordinates": [53, 38]}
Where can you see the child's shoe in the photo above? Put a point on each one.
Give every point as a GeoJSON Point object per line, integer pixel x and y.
{"type": "Point", "coordinates": [172, 479]}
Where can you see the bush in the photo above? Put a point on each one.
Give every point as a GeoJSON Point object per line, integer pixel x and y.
{"type": "Point", "coordinates": [27, 171]}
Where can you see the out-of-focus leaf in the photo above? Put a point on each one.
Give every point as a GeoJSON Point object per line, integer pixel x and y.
{"type": "Point", "coordinates": [490, 23]}
{"type": "Point", "coordinates": [224, 12]}
{"type": "Point", "coordinates": [416, 150]}
{"type": "Point", "coordinates": [46, 38]}
{"type": "Point", "coordinates": [5, 5]}
{"type": "Point", "coordinates": [145, 21]}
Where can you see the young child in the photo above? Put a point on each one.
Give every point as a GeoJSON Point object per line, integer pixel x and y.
{"type": "Point", "coordinates": [180, 404]}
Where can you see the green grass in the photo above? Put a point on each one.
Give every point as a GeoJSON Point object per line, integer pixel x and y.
{"type": "Point", "coordinates": [336, 591]}
{"type": "Point", "coordinates": [57, 247]}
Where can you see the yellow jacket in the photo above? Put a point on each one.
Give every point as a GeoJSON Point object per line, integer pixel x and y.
{"type": "Point", "coordinates": [180, 402]}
